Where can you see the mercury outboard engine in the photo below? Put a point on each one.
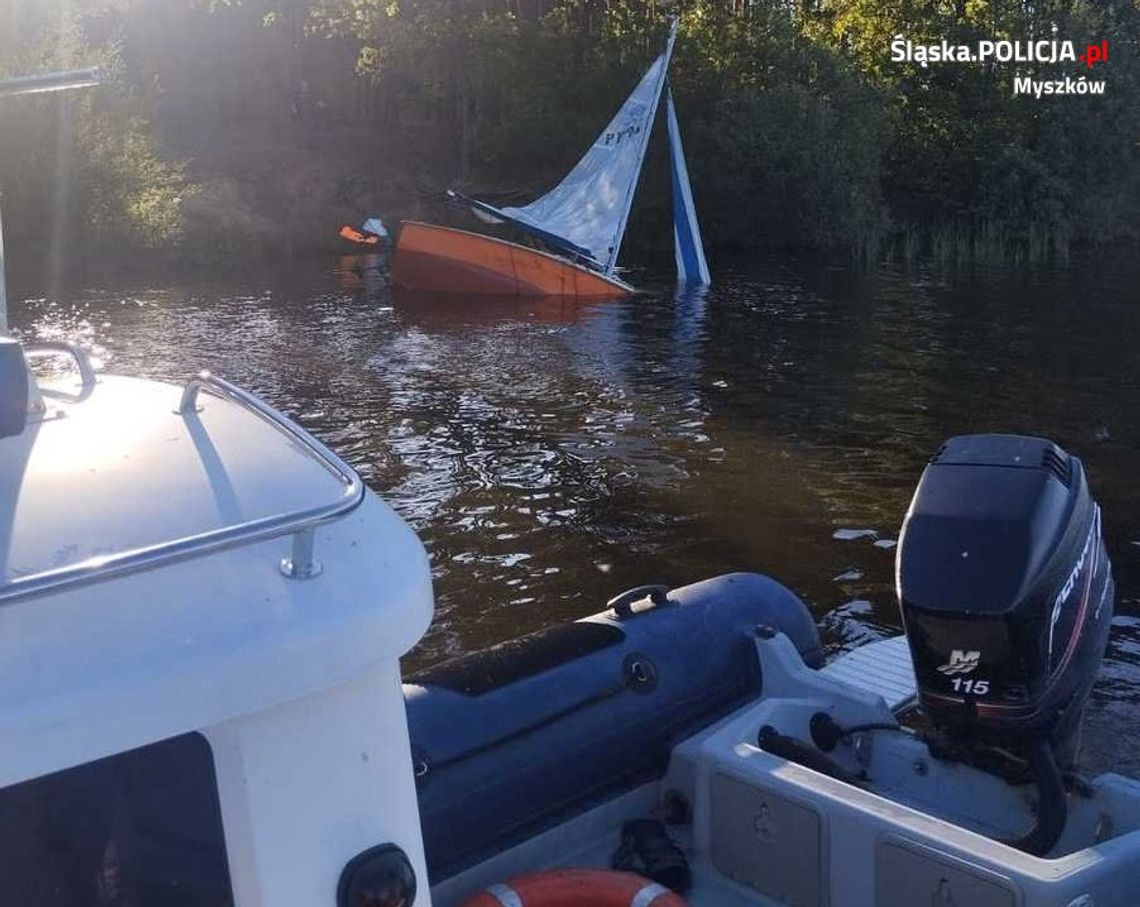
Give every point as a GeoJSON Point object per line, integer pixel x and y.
{"type": "Point", "coordinates": [1006, 594]}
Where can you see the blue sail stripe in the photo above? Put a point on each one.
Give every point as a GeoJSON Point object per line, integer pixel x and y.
{"type": "Point", "coordinates": [688, 264]}
{"type": "Point", "coordinates": [691, 264]}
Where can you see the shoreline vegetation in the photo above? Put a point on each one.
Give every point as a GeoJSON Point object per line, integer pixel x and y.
{"type": "Point", "coordinates": [233, 128]}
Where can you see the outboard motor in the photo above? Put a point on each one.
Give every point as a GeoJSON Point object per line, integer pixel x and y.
{"type": "Point", "coordinates": [1007, 595]}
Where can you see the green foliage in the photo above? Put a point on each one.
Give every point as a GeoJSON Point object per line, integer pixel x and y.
{"type": "Point", "coordinates": [814, 181]}
{"type": "Point", "coordinates": [79, 171]}
{"type": "Point", "coordinates": [800, 130]}
{"type": "Point", "coordinates": [973, 170]}
{"type": "Point", "coordinates": [132, 195]}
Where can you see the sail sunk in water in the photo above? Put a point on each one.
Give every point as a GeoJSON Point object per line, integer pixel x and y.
{"type": "Point", "coordinates": [691, 265]}
{"type": "Point", "coordinates": [589, 207]}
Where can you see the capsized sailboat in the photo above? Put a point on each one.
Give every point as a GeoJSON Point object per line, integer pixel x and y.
{"type": "Point", "coordinates": [582, 221]}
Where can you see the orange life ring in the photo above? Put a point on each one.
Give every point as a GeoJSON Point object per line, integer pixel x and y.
{"type": "Point", "coordinates": [576, 888]}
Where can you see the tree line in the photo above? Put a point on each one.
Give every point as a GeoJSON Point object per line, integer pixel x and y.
{"type": "Point", "coordinates": [232, 125]}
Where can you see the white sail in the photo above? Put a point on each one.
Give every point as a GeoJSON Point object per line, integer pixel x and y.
{"type": "Point", "coordinates": [691, 265]}
{"type": "Point", "coordinates": [590, 207]}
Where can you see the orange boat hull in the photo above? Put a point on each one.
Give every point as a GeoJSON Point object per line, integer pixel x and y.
{"type": "Point", "coordinates": [444, 260]}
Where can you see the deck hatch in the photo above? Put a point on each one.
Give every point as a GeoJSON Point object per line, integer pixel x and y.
{"type": "Point", "coordinates": [935, 878]}
{"type": "Point", "coordinates": [769, 842]}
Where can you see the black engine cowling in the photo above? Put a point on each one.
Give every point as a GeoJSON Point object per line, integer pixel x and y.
{"type": "Point", "coordinates": [1006, 593]}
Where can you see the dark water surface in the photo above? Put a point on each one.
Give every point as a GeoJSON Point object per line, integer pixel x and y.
{"type": "Point", "coordinates": [551, 455]}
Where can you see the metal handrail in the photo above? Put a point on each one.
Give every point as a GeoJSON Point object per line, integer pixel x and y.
{"type": "Point", "coordinates": [82, 363]}
{"type": "Point", "coordinates": [301, 524]}
{"type": "Point", "coordinates": [219, 387]}
{"type": "Point", "coordinates": [52, 81]}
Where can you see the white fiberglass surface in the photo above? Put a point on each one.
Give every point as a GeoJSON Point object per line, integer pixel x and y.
{"type": "Point", "coordinates": [122, 469]}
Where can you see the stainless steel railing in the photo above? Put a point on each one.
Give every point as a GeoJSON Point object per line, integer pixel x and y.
{"type": "Point", "coordinates": [77, 353]}
{"type": "Point", "coordinates": [301, 524]}
{"type": "Point", "coordinates": [52, 81]}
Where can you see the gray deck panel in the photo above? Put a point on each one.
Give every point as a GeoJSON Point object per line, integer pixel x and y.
{"type": "Point", "coordinates": [883, 667]}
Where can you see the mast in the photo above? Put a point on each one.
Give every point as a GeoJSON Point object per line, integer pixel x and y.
{"type": "Point", "coordinates": [38, 84]}
{"type": "Point", "coordinates": [611, 262]}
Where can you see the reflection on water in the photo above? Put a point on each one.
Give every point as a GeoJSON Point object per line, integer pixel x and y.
{"type": "Point", "coordinates": [551, 454]}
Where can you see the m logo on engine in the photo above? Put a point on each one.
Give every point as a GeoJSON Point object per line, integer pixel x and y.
{"type": "Point", "coordinates": [961, 662]}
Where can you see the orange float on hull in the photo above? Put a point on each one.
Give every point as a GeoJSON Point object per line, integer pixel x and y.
{"type": "Point", "coordinates": [577, 888]}
{"type": "Point", "coordinates": [445, 260]}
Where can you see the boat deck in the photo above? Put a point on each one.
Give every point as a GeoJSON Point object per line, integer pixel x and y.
{"type": "Point", "coordinates": [590, 842]}
{"type": "Point", "coordinates": [769, 831]}
{"type": "Point", "coordinates": [881, 668]}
